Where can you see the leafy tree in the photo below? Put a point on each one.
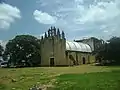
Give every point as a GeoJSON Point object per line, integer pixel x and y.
{"type": "Point", "coordinates": [114, 49]}
{"type": "Point", "coordinates": [1, 50]}
{"type": "Point", "coordinates": [102, 53]}
{"type": "Point", "coordinates": [111, 51]}
{"type": "Point", "coordinates": [23, 49]}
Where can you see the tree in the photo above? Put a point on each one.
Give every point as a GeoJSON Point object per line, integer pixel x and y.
{"type": "Point", "coordinates": [23, 49]}
{"type": "Point", "coordinates": [114, 49]}
{"type": "Point", "coordinates": [110, 51]}
{"type": "Point", "coordinates": [1, 50]}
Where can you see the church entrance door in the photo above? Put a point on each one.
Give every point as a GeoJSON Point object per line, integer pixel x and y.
{"type": "Point", "coordinates": [52, 62]}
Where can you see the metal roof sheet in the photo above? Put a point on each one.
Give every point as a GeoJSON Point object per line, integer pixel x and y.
{"type": "Point", "coordinates": [78, 46]}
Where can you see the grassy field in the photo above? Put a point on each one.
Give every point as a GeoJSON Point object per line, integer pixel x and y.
{"type": "Point", "coordinates": [85, 77]}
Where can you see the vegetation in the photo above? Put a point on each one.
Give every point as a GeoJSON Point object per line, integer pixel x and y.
{"type": "Point", "coordinates": [110, 51]}
{"type": "Point", "coordinates": [23, 50]}
{"type": "Point", "coordinates": [83, 77]}
{"type": "Point", "coordinates": [1, 50]}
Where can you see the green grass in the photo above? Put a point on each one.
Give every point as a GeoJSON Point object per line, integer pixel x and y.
{"type": "Point", "coordinates": [83, 77]}
{"type": "Point", "coordinates": [90, 81]}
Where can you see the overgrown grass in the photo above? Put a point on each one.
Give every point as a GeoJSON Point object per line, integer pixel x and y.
{"type": "Point", "coordinates": [63, 78]}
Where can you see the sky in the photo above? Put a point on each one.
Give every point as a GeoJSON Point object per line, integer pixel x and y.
{"type": "Point", "coordinates": [77, 18]}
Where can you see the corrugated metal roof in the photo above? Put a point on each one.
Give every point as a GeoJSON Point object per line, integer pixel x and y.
{"type": "Point", "coordinates": [78, 46]}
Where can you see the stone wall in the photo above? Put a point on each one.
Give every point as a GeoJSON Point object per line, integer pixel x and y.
{"type": "Point", "coordinates": [46, 51]}
{"type": "Point", "coordinates": [78, 57]}
{"type": "Point", "coordinates": [53, 46]}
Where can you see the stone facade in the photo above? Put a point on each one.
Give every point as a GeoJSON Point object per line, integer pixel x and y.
{"type": "Point", "coordinates": [54, 53]}
{"type": "Point", "coordinates": [78, 58]}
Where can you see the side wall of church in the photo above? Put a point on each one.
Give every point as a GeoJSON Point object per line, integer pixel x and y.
{"type": "Point", "coordinates": [78, 58]}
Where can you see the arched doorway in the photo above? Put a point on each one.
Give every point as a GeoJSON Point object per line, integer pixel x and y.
{"type": "Point", "coordinates": [52, 61]}
{"type": "Point", "coordinates": [83, 60]}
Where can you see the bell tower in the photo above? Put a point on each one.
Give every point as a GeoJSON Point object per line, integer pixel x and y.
{"type": "Point", "coordinates": [53, 46]}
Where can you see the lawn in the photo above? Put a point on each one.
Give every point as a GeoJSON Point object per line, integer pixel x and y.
{"type": "Point", "coordinates": [85, 77]}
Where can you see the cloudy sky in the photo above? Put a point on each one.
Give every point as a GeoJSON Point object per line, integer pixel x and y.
{"type": "Point", "coordinates": [78, 18]}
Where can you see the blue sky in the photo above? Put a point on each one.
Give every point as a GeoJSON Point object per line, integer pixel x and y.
{"type": "Point", "coordinates": [78, 18]}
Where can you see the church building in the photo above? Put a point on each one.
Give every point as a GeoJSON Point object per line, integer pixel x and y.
{"type": "Point", "coordinates": [57, 51]}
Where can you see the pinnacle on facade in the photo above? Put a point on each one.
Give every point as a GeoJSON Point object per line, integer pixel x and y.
{"type": "Point", "coordinates": [58, 32]}
{"type": "Point", "coordinates": [45, 35]}
{"type": "Point", "coordinates": [63, 35]}
{"type": "Point", "coordinates": [48, 32]}
{"type": "Point", "coordinates": [51, 27]}
{"type": "Point", "coordinates": [54, 31]}
{"type": "Point", "coordinates": [42, 37]}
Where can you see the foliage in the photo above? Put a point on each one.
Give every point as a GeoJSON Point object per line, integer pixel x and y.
{"type": "Point", "coordinates": [1, 50]}
{"type": "Point", "coordinates": [23, 49]}
{"type": "Point", "coordinates": [110, 51]}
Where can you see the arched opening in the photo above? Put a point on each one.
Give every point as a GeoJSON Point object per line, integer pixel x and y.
{"type": "Point", "coordinates": [84, 60]}
{"type": "Point", "coordinates": [52, 62]}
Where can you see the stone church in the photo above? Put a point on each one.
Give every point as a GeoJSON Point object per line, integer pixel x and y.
{"type": "Point", "coordinates": [57, 51]}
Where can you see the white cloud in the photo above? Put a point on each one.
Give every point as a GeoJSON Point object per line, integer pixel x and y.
{"type": "Point", "coordinates": [44, 18]}
{"type": "Point", "coordinates": [105, 31]}
{"type": "Point", "coordinates": [8, 14]}
{"type": "Point", "coordinates": [102, 11]}
{"type": "Point", "coordinates": [100, 18]}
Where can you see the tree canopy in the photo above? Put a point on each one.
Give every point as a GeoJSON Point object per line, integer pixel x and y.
{"type": "Point", "coordinates": [1, 50]}
{"type": "Point", "coordinates": [110, 51]}
{"type": "Point", "coordinates": [23, 49]}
